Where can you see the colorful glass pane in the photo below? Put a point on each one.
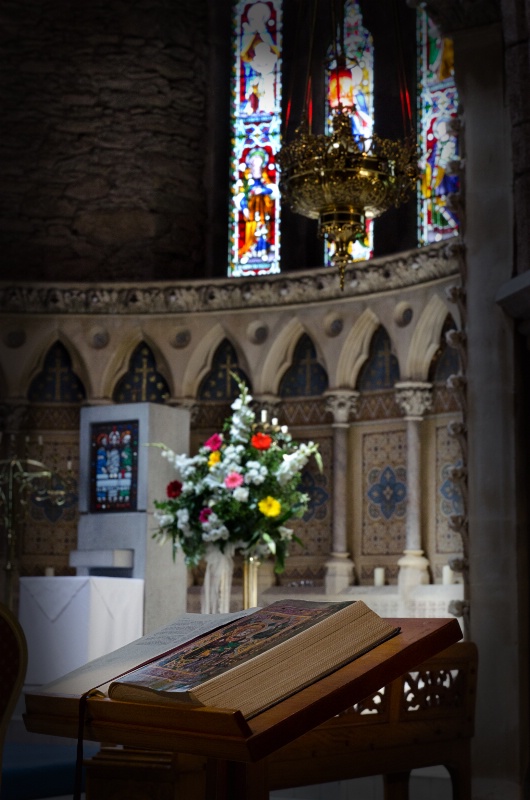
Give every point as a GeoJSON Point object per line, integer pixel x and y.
{"type": "Point", "coordinates": [437, 107]}
{"type": "Point", "coordinates": [359, 52]}
{"type": "Point", "coordinates": [254, 247]}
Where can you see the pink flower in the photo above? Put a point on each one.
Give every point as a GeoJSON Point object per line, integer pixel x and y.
{"type": "Point", "coordinates": [204, 514]}
{"type": "Point", "coordinates": [214, 442]}
{"type": "Point", "coordinates": [233, 480]}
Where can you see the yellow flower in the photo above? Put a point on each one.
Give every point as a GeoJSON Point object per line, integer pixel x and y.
{"type": "Point", "coordinates": [269, 506]}
{"type": "Point", "coordinates": [215, 457]}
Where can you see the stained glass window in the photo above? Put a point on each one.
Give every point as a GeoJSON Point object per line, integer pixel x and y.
{"type": "Point", "coordinates": [254, 247]}
{"type": "Point", "coordinates": [57, 383]}
{"type": "Point", "coordinates": [219, 383]}
{"type": "Point", "coordinates": [353, 84]}
{"type": "Point", "coordinates": [381, 370]}
{"type": "Point", "coordinates": [305, 377]}
{"type": "Point", "coordinates": [142, 381]}
{"type": "Point", "coordinates": [437, 108]}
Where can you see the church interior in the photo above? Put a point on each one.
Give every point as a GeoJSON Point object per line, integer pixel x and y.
{"type": "Point", "coordinates": [151, 252]}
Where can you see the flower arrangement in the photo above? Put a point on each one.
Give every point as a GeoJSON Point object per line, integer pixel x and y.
{"type": "Point", "coordinates": [239, 491]}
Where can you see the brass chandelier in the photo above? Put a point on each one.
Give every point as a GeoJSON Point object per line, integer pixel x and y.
{"type": "Point", "coordinates": [343, 179]}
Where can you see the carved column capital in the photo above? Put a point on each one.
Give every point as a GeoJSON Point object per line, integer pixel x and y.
{"type": "Point", "coordinates": [189, 404]}
{"type": "Point", "coordinates": [414, 398]}
{"type": "Point", "coordinates": [342, 403]}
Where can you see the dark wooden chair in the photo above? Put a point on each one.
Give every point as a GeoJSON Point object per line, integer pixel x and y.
{"type": "Point", "coordinates": [13, 665]}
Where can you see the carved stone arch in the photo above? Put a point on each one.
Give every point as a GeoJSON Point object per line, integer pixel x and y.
{"type": "Point", "coordinates": [356, 349]}
{"type": "Point", "coordinates": [36, 364]}
{"type": "Point", "coordinates": [201, 359]}
{"type": "Point", "coordinates": [280, 357]}
{"type": "Point", "coordinates": [426, 339]}
{"type": "Point", "coordinates": [162, 365]}
{"type": "Point", "coordinates": [119, 363]}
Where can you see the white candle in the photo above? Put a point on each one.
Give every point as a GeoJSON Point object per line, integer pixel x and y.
{"type": "Point", "coordinates": [275, 421]}
{"type": "Point", "coordinates": [379, 576]}
{"type": "Point", "coordinates": [284, 429]}
{"type": "Point", "coordinates": [264, 415]}
{"type": "Point", "coordinates": [447, 575]}
{"type": "Point", "coordinates": [49, 572]}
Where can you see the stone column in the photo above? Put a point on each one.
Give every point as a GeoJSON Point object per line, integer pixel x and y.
{"type": "Point", "coordinates": [414, 398]}
{"type": "Point", "coordinates": [339, 568]}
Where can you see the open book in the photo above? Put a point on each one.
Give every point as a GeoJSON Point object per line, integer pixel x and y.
{"type": "Point", "coordinates": [260, 659]}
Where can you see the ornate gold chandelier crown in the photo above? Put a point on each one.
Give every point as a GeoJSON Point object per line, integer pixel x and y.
{"type": "Point", "coordinates": [342, 180]}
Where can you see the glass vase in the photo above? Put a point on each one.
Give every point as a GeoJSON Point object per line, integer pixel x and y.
{"type": "Point", "coordinates": [251, 566]}
{"type": "Point", "coordinates": [217, 585]}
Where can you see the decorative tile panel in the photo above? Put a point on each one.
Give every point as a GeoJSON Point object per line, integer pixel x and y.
{"type": "Point", "coordinates": [448, 497]}
{"type": "Point", "coordinates": [384, 478]}
{"type": "Point", "coordinates": [314, 529]}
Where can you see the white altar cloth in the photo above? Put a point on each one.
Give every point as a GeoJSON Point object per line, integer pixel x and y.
{"type": "Point", "coordinates": [71, 620]}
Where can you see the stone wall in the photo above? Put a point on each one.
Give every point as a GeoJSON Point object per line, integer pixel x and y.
{"type": "Point", "coordinates": [103, 147]}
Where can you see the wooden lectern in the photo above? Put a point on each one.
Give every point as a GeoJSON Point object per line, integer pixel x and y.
{"type": "Point", "coordinates": [237, 748]}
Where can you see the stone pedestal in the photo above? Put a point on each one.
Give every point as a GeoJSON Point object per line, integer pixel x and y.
{"type": "Point", "coordinates": [102, 537]}
{"type": "Point", "coordinates": [339, 573]}
{"type": "Point", "coordinates": [413, 572]}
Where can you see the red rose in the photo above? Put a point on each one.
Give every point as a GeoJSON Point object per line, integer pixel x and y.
{"type": "Point", "coordinates": [261, 441]}
{"type": "Point", "coordinates": [174, 489]}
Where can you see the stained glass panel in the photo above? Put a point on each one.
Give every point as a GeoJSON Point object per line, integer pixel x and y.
{"type": "Point", "coordinates": [437, 107]}
{"type": "Point", "coordinates": [114, 466]}
{"type": "Point", "coordinates": [356, 87]}
{"type": "Point", "coordinates": [254, 247]}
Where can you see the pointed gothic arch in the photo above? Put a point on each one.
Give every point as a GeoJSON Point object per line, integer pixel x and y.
{"type": "Point", "coordinates": [426, 339]}
{"type": "Point", "coordinates": [446, 360]}
{"type": "Point", "coordinates": [201, 360]}
{"type": "Point", "coordinates": [56, 381]}
{"type": "Point", "coordinates": [381, 369]}
{"type": "Point", "coordinates": [219, 383]}
{"type": "Point", "coordinates": [356, 348]}
{"type": "Point", "coordinates": [305, 377]}
{"type": "Point", "coordinates": [142, 382]}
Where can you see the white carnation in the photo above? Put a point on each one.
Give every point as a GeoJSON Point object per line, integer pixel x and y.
{"type": "Point", "coordinates": [163, 518]}
{"type": "Point", "coordinates": [255, 473]}
{"type": "Point", "coordinates": [241, 494]}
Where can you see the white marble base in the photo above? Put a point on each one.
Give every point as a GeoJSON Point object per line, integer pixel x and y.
{"type": "Point", "coordinates": [339, 573]}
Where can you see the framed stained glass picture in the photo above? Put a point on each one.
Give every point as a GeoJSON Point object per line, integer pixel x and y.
{"type": "Point", "coordinates": [114, 466]}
